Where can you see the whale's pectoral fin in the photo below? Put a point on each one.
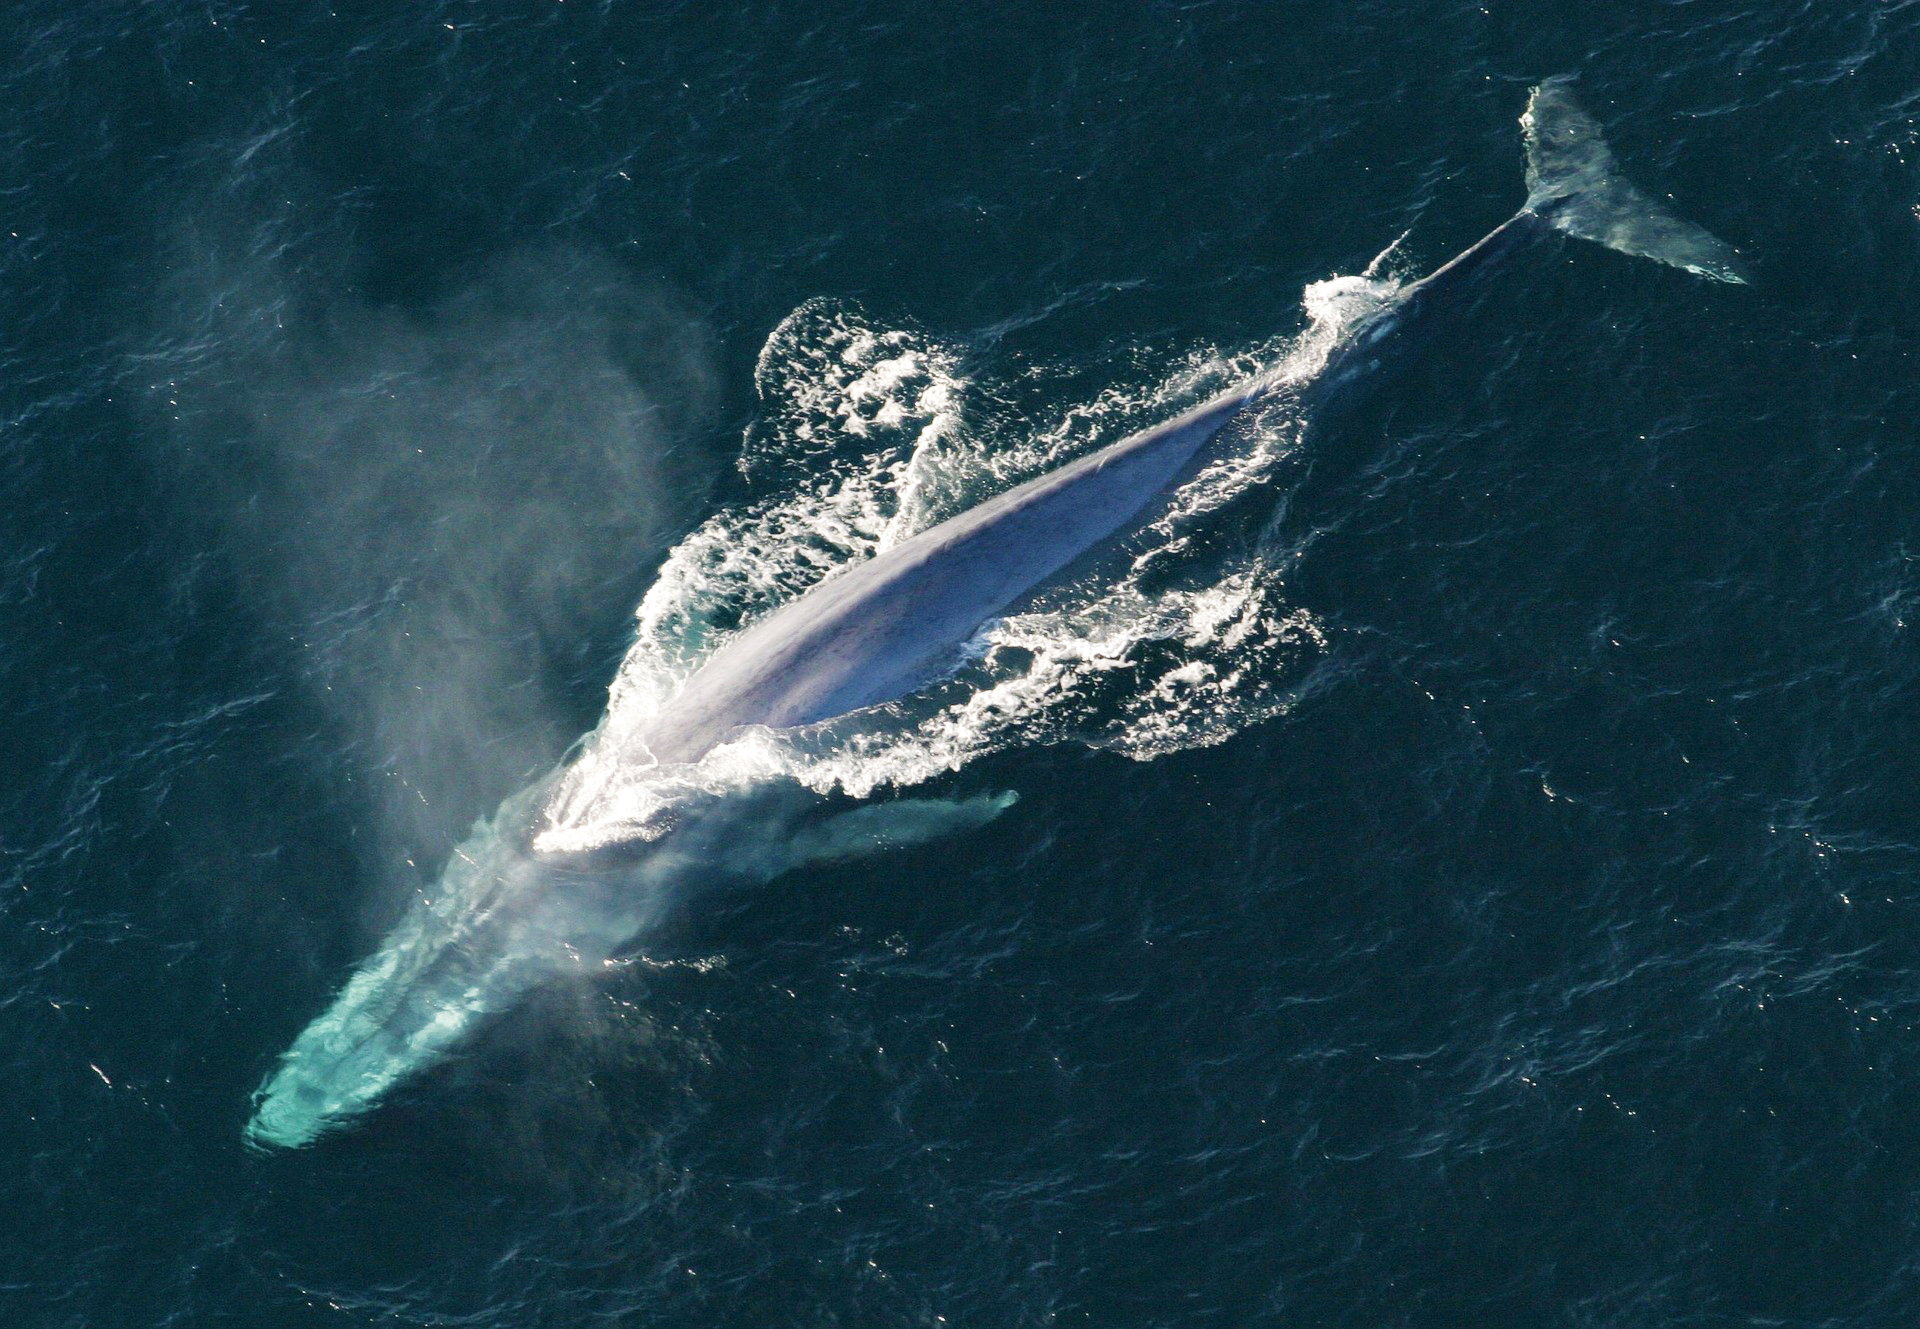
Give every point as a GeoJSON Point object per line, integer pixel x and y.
{"type": "Point", "coordinates": [1573, 184]}
{"type": "Point", "coordinates": [895, 825]}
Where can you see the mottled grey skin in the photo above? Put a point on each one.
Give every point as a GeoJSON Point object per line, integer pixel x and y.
{"type": "Point", "coordinates": [881, 629]}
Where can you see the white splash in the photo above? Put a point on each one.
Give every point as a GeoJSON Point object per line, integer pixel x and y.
{"type": "Point", "coordinates": [874, 432]}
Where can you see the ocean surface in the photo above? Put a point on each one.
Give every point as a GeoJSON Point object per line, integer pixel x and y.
{"type": "Point", "coordinates": [1460, 868]}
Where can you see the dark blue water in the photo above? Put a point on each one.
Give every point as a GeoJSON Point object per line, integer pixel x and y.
{"type": "Point", "coordinates": [1539, 946]}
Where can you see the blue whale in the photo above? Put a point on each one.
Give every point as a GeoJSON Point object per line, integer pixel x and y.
{"type": "Point", "coordinates": [506, 917]}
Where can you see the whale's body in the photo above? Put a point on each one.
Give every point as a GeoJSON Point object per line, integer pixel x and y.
{"type": "Point", "coordinates": [880, 630]}
{"type": "Point", "coordinates": [506, 917]}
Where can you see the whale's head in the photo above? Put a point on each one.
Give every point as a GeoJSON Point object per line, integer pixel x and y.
{"type": "Point", "coordinates": [499, 922]}
{"type": "Point", "coordinates": [506, 917]}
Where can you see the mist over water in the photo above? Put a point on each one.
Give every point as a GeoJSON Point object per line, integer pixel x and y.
{"type": "Point", "coordinates": [1454, 867]}
{"type": "Point", "coordinates": [431, 508]}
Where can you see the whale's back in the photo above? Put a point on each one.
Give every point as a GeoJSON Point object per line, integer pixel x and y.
{"type": "Point", "coordinates": [885, 627]}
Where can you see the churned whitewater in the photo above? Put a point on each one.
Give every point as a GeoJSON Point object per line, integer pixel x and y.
{"type": "Point", "coordinates": [908, 457]}
{"type": "Point", "coordinates": [1453, 864]}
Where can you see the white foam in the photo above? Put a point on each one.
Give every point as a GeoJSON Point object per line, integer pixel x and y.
{"type": "Point", "coordinates": [866, 436]}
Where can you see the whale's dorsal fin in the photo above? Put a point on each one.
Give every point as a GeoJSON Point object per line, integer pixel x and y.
{"type": "Point", "coordinates": [1573, 183]}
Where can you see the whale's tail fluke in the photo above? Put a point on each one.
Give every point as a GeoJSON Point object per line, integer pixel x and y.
{"type": "Point", "coordinates": [1573, 184]}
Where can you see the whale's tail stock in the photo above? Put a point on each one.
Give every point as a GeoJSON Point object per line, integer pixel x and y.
{"type": "Point", "coordinates": [1573, 184]}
